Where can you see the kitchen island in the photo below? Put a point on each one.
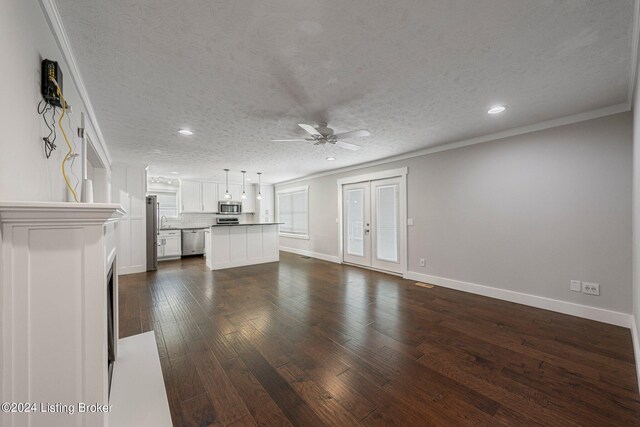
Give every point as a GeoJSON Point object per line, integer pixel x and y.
{"type": "Point", "coordinates": [236, 245]}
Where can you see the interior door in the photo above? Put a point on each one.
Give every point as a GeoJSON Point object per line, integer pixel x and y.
{"type": "Point", "coordinates": [385, 225]}
{"type": "Point", "coordinates": [356, 224]}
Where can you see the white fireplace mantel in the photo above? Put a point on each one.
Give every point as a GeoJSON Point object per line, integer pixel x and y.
{"type": "Point", "coordinates": [59, 212]}
{"type": "Point", "coordinates": [53, 298]}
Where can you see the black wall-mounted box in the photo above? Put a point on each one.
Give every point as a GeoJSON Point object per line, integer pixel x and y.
{"type": "Point", "coordinates": [51, 69]}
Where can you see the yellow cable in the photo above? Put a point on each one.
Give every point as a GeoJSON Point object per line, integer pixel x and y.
{"type": "Point", "coordinates": [64, 109]}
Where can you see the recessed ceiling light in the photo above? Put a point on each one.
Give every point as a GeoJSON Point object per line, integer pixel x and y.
{"type": "Point", "coordinates": [331, 158]}
{"type": "Point", "coordinates": [175, 173]}
{"type": "Point", "coordinates": [497, 109]}
{"type": "Point", "coordinates": [185, 132]}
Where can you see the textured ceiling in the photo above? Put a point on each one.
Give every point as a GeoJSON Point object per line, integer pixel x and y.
{"type": "Point", "coordinates": [416, 73]}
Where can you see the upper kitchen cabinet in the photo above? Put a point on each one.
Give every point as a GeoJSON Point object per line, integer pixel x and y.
{"type": "Point", "coordinates": [265, 206]}
{"type": "Point", "coordinates": [209, 197]}
{"type": "Point", "coordinates": [199, 196]}
{"type": "Point", "coordinates": [249, 204]}
{"type": "Point", "coordinates": [191, 196]}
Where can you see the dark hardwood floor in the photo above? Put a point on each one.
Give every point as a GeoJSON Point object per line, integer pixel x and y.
{"type": "Point", "coordinates": [306, 342]}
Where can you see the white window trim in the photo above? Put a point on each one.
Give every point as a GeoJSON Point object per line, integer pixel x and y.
{"type": "Point", "coordinates": [277, 213]}
{"type": "Point", "coordinates": [177, 193]}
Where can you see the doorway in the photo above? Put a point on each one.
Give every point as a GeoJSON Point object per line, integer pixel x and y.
{"type": "Point", "coordinates": [372, 223]}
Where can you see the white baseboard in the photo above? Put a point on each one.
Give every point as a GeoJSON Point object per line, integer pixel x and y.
{"type": "Point", "coordinates": [636, 346]}
{"type": "Point", "coordinates": [131, 270]}
{"type": "Point", "coordinates": [587, 312]}
{"type": "Point", "coordinates": [318, 255]}
{"type": "Point", "coordinates": [244, 262]}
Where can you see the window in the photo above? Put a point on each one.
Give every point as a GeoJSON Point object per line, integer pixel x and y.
{"type": "Point", "coordinates": [292, 207]}
{"type": "Point", "coordinates": [167, 203]}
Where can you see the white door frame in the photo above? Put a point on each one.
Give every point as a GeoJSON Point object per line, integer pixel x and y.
{"type": "Point", "coordinates": [393, 173]}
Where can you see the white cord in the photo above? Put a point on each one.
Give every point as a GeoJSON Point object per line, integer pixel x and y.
{"type": "Point", "coordinates": [74, 154]}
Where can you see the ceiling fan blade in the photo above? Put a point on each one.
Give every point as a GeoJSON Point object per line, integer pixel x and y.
{"type": "Point", "coordinates": [353, 134]}
{"type": "Point", "coordinates": [347, 145]}
{"type": "Point", "coordinates": [289, 140]}
{"type": "Point", "coordinates": [310, 129]}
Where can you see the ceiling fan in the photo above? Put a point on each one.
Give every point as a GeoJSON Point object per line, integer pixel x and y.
{"type": "Point", "coordinates": [323, 135]}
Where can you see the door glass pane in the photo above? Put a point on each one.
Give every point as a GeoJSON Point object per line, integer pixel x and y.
{"type": "Point", "coordinates": [355, 218]}
{"type": "Point", "coordinates": [387, 223]}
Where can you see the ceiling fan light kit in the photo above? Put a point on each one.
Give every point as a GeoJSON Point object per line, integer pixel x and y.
{"type": "Point", "coordinates": [324, 135]}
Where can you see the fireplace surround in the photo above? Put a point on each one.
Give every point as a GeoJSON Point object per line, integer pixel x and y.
{"type": "Point", "coordinates": [54, 308]}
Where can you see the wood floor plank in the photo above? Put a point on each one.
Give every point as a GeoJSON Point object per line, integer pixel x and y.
{"type": "Point", "coordinates": [308, 342]}
{"type": "Point", "coordinates": [293, 406]}
{"type": "Point", "coordinates": [261, 406]}
{"type": "Point", "coordinates": [197, 411]}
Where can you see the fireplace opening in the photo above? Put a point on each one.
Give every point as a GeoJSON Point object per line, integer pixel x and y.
{"type": "Point", "coordinates": [111, 353]}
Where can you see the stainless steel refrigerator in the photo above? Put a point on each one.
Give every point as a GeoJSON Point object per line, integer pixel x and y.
{"type": "Point", "coordinates": [152, 233]}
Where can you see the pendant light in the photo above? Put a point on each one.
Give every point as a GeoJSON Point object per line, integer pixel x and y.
{"type": "Point", "coordinates": [259, 197]}
{"type": "Point", "coordinates": [244, 194]}
{"type": "Point", "coordinates": [226, 193]}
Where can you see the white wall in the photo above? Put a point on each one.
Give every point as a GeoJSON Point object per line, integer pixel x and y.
{"type": "Point", "coordinates": [636, 225]}
{"type": "Point", "coordinates": [525, 214]}
{"type": "Point", "coordinates": [129, 189]}
{"type": "Point", "coordinates": [26, 39]}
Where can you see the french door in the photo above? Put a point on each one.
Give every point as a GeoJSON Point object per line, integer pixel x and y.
{"type": "Point", "coordinates": [371, 224]}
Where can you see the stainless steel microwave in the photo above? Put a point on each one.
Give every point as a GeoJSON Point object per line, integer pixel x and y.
{"type": "Point", "coordinates": [230, 208]}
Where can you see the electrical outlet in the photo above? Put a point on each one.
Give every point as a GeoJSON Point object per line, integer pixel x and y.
{"type": "Point", "coordinates": [576, 286]}
{"type": "Point", "coordinates": [590, 288]}
{"type": "Point", "coordinates": [410, 222]}
{"type": "Point", "coordinates": [422, 262]}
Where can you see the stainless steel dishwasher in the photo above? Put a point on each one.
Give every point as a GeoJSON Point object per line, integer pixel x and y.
{"type": "Point", "coordinates": [193, 242]}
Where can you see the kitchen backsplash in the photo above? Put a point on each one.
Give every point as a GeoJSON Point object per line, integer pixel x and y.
{"type": "Point", "coordinates": [200, 220]}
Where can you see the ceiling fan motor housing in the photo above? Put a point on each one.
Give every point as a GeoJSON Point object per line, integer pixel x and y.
{"type": "Point", "coordinates": [324, 130]}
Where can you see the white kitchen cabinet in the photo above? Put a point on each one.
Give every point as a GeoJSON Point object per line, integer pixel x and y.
{"type": "Point", "coordinates": [173, 246]}
{"type": "Point", "coordinates": [169, 244]}
{"type": "Point", "coordinates": [234, 189]}
{"type": "Point", "coordinates": [191, 196]}
{"type": "Point", "coordinates": [249, 204]}
{"type": "Point", "coordinates": [265, 206]}
{"type": "Point", "coordinates": [238, 245]}
{"type": "Point", "coordinates": [199, 196]}
{"type": "Point", "coordinates": [209, 197]}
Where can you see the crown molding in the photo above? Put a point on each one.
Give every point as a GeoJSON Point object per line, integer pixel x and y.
{"type": "Point", "coordinates": [54, 19]}
{"type": "Point", "coordinates": [548, 124]}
